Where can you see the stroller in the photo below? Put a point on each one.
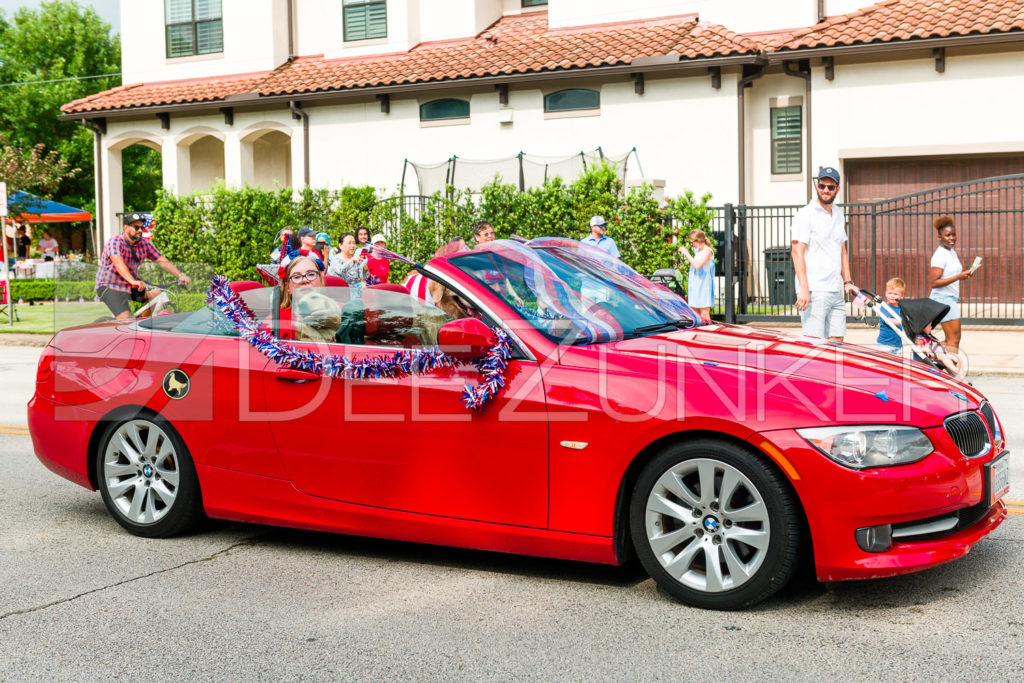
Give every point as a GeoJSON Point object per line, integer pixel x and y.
{"type": "Point", "coordinates": [916, 316]}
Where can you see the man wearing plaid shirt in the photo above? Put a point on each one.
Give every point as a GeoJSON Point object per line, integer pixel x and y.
{"type": "Point", "coordinates": [118, 278]}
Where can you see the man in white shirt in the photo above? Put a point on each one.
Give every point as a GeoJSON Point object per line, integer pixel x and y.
{"type": "Point", "coordinates": [821, 261]}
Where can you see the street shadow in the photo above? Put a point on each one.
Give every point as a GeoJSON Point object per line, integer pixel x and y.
{"type": "Point", "coordinates": [624, 576]}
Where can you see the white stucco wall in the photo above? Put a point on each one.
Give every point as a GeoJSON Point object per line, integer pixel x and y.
{"type": "Point", "coordinates": [563, 13]}
{"type": "Point", "coordinates": [255, 39]}
{"type": "Point", "coordinates": [446, 19]}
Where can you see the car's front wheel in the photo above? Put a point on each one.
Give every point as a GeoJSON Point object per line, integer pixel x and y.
{"type": "Point", "coordinates": [147, 478]}
{"type": "Point", "coordinates": [714, 525]}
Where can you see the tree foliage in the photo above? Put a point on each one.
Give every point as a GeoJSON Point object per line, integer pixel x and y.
{"type": "Point", "coordinates": [35, 170]}
{"type": "Point", "coordinates": [40, 47]}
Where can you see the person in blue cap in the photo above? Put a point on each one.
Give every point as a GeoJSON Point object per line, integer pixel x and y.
{"type": "Point", "coordinates": [821, 261]}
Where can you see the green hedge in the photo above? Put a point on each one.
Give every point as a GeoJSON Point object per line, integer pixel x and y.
{"type": "Point", "coordinates": [232, 230]}
{"type": "Point", "coordinates": [44, 289]}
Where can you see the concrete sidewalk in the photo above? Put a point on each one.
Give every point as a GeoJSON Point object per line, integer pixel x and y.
{"type": "Point", "coordinates": [990, 349]}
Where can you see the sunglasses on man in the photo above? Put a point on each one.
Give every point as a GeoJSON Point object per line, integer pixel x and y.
{"type": "Point", "coordinates": [827, 188]}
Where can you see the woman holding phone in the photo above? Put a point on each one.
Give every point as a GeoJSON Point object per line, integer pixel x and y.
{"type": "Point", "coordinates": [944, 275]}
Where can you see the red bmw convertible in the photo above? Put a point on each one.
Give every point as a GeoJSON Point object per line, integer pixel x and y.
{"type": "Point", "coordinates": [552, 403]}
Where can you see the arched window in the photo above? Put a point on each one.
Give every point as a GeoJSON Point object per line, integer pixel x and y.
{"type": "Point", "coordinates": [448, 108]}
{"type": "Point", "coordinates": [572, 99]}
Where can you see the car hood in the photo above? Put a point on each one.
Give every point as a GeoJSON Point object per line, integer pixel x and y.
{"type": "Point", "coordinates": [801, 359]}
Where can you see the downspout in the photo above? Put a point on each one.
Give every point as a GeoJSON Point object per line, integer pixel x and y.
{"type": "Point", "coordinates": [298, 114]}
{"type": "Point", "coordinates": [801, 72]}
{"type": "Point", "coordinates": [97, 128]}
{"type": "Point", "coordinates": [743, 83]}
{"type": "Point", "coordinates": [291, 30]}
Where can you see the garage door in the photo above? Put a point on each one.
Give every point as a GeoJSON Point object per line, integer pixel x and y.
{"type": "Point", "coordinates": [892, 237]}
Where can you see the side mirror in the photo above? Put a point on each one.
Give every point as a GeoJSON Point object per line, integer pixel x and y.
{"type": "Point", "coordinates": [465, 338]}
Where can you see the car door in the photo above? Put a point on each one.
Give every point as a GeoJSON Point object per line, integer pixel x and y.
{"type": "Point", "coordinates": [408, 443]}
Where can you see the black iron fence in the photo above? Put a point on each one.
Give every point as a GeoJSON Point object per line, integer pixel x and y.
{"type": "Point", "coordinates": [887, 239]}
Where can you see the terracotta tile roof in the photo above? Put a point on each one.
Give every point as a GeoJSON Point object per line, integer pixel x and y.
{"type": "Point", "coordinates": [524, 44]}
{"type": "Point", "coordinates": [897, 20]}
{"type": "Point", "coordinates": [513, 45]}
{"type": "Point", "coordinates": [167, 92]}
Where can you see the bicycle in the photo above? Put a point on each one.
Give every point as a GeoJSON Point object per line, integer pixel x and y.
{"type": "Point", "coordinates": [164, 303]}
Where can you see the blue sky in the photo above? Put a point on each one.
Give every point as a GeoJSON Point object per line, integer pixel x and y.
{"type": "Point", "coordinates": [109, 10]}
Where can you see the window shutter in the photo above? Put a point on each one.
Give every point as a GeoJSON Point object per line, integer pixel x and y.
{"type": "Point", "coordinates": [787, 147]}
{"type": "Point", "coordinates": [365, 19]}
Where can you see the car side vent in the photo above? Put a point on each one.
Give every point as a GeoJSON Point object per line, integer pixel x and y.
{"type": "Point", "coordinates": [968, 433]}
{"type": "Point", "coordinates": [990, 417]}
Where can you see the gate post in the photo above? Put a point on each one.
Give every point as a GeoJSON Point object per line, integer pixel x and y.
{"type": "Point", "coordinates": [874, 249]}
{"type": "Point", "coordinates": [727, 262]}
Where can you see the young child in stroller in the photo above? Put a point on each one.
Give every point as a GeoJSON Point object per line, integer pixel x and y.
{"type": "Point", "coordinates": [910, 322]}
{"type": "Point", "coordinates": [888, 336]}
{"type": "Point", "coordinates": [920, 316]}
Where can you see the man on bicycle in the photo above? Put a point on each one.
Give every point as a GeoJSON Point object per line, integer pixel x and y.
{"type": "Point", "coordinates": [118, 281]}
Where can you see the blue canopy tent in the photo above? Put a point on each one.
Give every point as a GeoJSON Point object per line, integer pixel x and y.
{"type": "Point", "coordinates": [26, 207]}
{"type": "Point", "coordinates": [33, 209]}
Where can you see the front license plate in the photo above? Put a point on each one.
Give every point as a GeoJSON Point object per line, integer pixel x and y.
{"type": "Point", "coordinates": [999, 478]}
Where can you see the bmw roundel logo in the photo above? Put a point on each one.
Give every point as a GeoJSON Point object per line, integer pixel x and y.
{"type": "Point", "coordinates": [176, 384]}
{"type": "Point", "coordinates": [711, 524]}
{"type": "Point", "coordinates": [148, 470]}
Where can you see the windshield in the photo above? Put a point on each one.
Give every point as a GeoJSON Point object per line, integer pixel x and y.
{"type": "Point", "coordinates": [574, 293]}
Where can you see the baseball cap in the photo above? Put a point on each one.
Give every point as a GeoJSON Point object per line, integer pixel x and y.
{"type": "Point", "coordinates": [133, 217]}
{"type": "Point", "coordinates": [828, 172]}
{"type": "Point", "coordinates": [598, 220]}
{"type": "Point", "coordinates": [306, 231]}
{"type": "Point", "coordinates": [379, 237]}
{"type": "Point", "coordinates": [323, 237]}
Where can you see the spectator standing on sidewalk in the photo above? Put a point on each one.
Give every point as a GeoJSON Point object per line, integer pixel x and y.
{"type": "Point", "coordinates": [944, 275]}
{"type": "Point", "coordinates": [821, 261]}
{"type": "Point", "coordinates": [597, 238]}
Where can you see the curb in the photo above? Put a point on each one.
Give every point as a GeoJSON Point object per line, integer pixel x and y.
{"type": "Point", "coordinates": [24, 339]}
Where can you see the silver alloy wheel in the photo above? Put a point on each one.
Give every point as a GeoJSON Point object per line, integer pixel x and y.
{"type": "Point", "coordinates": [140, 471]}
{"type": "Point", "coordinates": [707, 525]}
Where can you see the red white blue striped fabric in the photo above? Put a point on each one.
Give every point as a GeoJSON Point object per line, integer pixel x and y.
{"type": "Point", "coordinates": [417, 286]}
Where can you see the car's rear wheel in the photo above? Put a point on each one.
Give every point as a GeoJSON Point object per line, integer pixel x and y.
{"type": "Point", "coordinates": [147, 478]}
{"type": "Point", "coordinates": [714, 525]}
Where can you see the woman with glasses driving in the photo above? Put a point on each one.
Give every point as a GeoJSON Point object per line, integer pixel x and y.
{"type": "Point", "coordinates": [306, 314]}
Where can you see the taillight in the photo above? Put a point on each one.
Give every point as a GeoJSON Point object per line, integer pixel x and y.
{"type": "Point", "coordinates": [46, 362]}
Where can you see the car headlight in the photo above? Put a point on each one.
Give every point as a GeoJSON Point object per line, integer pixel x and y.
{"type": "Point", "coordinates": [861, 447]}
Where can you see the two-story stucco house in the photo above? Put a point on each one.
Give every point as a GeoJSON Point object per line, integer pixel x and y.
{"type": "Point", "coordinates": [742, 98]}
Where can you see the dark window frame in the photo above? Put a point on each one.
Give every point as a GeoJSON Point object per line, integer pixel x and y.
{"type": "Point", "coordinates": [525, 4]}
{"type": "Point", "coordinates": [194, 24]}
{"type": "Point", "coordinates": [548, 96]}
{"type": "Point", "coordinates": [786, 145]}
{"type": "Point", "coordinates": [366, 6]}
{"type": "Point", "coordinates": [445, 118]}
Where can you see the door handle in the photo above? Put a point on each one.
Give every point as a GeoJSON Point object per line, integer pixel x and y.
{"type": "Point", "coordinates": [293, 375]}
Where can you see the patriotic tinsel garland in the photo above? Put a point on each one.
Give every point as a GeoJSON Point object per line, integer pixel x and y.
{"type": "Point", "coordinates": [491, 366]}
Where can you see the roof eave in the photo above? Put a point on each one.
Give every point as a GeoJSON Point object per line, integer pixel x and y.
{"type": "Point", "coordinates": [641, 65]}
{"type": "Point", "coordinates": [777, 57]}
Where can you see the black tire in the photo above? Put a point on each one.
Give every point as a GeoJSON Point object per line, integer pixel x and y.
{"type": "Point", "coordinates": [707, 551]}
{"type": "Point", "coordinates": [147, 479]}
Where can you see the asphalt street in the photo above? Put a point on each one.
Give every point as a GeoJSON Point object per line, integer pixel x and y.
{"type": "Point", "coordinates": [84, 600]}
